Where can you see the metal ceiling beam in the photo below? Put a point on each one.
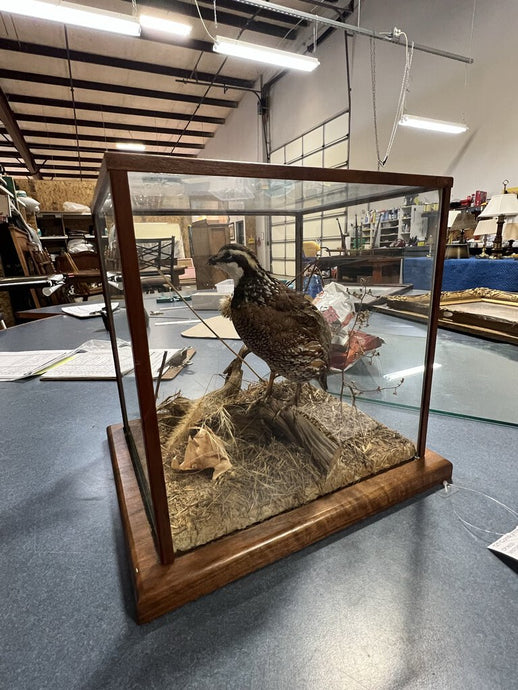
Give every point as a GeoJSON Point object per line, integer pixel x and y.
{"type": "Point", "coordinates": [93, 137]}
{"type": "Point", "coordinates": [107, 108]}
{"type": "Point", "coordinates": [44, 79]}
{"type": "Point", "coordinates": [134, 65]}
{"type": "Point", "coordinates": [279, 30]}
{"type": "Point", "coordinates": [51, 158]}
{"type": "Point", "coordinates": [11, 126]}
{"type": "Point", "coordinates": [47, 167]}
{"type": "Point", "coordinates": [231, 5]}
{"type": "Point", "coordinates": [126, 127]}
{"type": "Point", "coordinates": [56, 147]}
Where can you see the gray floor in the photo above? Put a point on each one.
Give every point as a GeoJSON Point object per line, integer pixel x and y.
{"type": "Point", "coordinates": [409, 599]}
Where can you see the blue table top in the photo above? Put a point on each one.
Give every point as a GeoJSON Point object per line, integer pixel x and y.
{"type": "Point", "coordinates": [463, 274]}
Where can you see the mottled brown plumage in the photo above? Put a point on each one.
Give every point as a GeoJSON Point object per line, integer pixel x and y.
{"type": "Point", "coordinates": [276, 323]}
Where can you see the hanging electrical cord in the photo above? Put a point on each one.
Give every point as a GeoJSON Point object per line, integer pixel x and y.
{"type": "Point", "coordinates": [449, 488]}
{"type": "Point", "coordinates": [69, 64]}
{"type": "Point", "coordinates": [409, 54]}
{"type": "Point", "coordinates": [202, 21]}
{"type": "Point", "coordinates": [470, 47]}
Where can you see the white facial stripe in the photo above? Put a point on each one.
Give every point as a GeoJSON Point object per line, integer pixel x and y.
{"type": "Point", "coordinates": [233, 269]}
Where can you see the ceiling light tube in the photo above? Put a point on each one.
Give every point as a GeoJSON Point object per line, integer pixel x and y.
{"type": "Point", "coordinates": [129, 146]}
{"type": "Point", "coordinates": [76, 15]}
{"type": "Point", "coordinates": [433, 125]}
{"type": "Point", "coordinates": [270, 56]}
{"type": "Point", "coordinates": [164, 25]}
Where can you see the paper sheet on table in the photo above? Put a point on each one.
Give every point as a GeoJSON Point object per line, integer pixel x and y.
{"type": "Point", "coordinates": [85, 311]}
{"type": "Point", "coordinates": [507, 544]}
{"type": "Point", "coordinates": [21, 365]}
{"type": "Point", "coordinates": [99, 365]}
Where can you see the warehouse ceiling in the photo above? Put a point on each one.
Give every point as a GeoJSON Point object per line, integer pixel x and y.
{"type": "Point", "coordinates": [69, 94]}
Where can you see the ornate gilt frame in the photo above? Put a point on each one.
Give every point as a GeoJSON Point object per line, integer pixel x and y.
{"type": "Point", "coordinates": [498, 321]}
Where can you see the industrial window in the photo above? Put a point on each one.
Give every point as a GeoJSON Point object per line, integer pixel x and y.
{"type": "Point", "coordinates": [324, 146]}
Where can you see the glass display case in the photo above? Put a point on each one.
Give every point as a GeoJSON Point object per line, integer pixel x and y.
{"type": "Point", "coordinates": [274, 472]}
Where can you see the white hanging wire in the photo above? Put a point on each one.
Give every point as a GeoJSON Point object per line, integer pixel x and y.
{"type": "Point", "coordinates": [203, 23]}
{"type": "Point", "coordinates": [215, 14]}
{"type": "Point", "coordinates": [409, 54]}
{"type": "Point", "coordinates": [466, 66]}
{"type": "Point", "coordinates": [466, 523]}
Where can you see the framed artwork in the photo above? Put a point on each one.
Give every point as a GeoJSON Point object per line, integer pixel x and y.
{"type": "Point", "coordinates": [480, 311]}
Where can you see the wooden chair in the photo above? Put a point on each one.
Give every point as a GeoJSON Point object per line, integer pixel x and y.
{"type": "Point", "coordinates": [84, 273]}
{"type": "Point", "coordinates": [34, 261]}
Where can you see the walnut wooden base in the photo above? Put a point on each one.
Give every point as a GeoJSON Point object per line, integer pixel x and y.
{"type": "Point", "coordinates": [162, 588]}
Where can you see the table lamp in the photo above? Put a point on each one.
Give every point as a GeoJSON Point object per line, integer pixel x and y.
{"type": "Point", "coordinates": [500, 206]}
{"type": "Point", "coordinates": [509, 234]}
{"type": "Point", "coordinates": [463, 222]}
{"type": "Point", "coordinates": [485, 228]}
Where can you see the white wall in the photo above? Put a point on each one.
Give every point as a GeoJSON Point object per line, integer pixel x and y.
{"type": "Point", "coordinates": [479, 159]}
{"type": "Point", "coordinates": [240, 138]}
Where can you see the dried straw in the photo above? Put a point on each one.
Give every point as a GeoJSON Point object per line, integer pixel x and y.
{"type": "Point", "coordinates": [270, 474]}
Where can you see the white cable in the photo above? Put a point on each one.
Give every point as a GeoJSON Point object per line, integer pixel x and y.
{"type": "Point", "coordinates": [409, 54]}
{"type": "Point", "coordinates": [203, 23]}
{"type": "Point", "coordinates": [479, 493]}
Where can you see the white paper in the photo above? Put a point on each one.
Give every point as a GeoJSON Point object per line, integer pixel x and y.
{"type": "Point", "coordinates": [95, 364]}
{"type": "Point", "coordinates": [98, 364]}
{"type": "Point", "coordinates": [84, 311]}
{"type": "Point", "coordinates": [20, 365]}
{"type": "Point", "coordinates": [507, 544]}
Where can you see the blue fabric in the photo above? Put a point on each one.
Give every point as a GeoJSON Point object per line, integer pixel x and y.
{"type": "Point", "coordinates": [463, 274]}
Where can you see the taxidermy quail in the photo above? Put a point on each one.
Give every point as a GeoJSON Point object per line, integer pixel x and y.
{"type": "Point", "coordinates": [276, 323]}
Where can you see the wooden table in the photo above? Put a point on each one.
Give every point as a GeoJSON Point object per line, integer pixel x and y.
{"type": "Point", "coordinates": [373, 269]}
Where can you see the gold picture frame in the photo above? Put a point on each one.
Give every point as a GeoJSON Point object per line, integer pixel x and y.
{"type": "Point", "coordinates": [480, 311]}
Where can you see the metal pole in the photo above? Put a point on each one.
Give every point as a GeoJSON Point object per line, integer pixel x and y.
{"type": "Point", "coordinates": [350, 28]}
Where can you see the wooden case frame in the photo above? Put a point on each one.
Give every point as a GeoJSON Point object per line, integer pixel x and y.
{"type": "Point", "coordinates": [162, 579]}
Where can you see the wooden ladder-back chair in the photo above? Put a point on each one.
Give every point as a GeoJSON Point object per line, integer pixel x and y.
{"type": "Point", "coordinates": [85, 280]}
{"type": "Point", "coordinates": [34, 261]}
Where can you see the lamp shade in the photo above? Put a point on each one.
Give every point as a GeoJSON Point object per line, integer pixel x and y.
{"type": "Point", "coordinates": [510, 232]}
{"type": "Point", "coordinates": [464, 221]}
{"type": "Point", "coordinates": [501, 205]}
{"type": "Point", "coordinates": [485, 228]}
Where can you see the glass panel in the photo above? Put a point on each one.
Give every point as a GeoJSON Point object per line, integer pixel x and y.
{"type": "Point", "coordinates": [313, 140]}
{"type": "Point", "coordinates": [336, 129]}
{"type": "Point", "coordinates": [314, 159]}
{"type": "Point", "coordinates": [374, 355]}
{"type": "Point", "coordinates": [293, 150]}
{"type": "Point", "coordinates": [277, 157]}
{"type": "Point", "coordinates": [336, 155]}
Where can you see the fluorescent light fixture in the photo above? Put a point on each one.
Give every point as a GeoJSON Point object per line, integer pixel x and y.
{"type": "Point", "coordinates": [129, 146]}
{"type": "Point", "coordinates": [77, 15]}
{"type": "Point", "coordinates": [270, 56]}
{"type": "Point", "coordinates": [164, 25]}
{"type": "Point", "coordinates": [405, 373]}
{"type": "Point", "coordinates": [433, 125]}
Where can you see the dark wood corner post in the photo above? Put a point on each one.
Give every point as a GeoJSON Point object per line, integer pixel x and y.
{"type": "Point", "coordinates": [136, 321]}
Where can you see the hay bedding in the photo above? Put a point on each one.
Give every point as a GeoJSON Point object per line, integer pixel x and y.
{"type": "Point", "coordinates": [282, 456]}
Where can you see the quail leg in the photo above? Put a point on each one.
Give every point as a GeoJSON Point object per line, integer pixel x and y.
{"type": "Point", "coordinates": [269, 385]}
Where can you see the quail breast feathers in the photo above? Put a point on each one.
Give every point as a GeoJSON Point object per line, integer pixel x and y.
{"type": "Point", "coordinates": [276, 323]}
